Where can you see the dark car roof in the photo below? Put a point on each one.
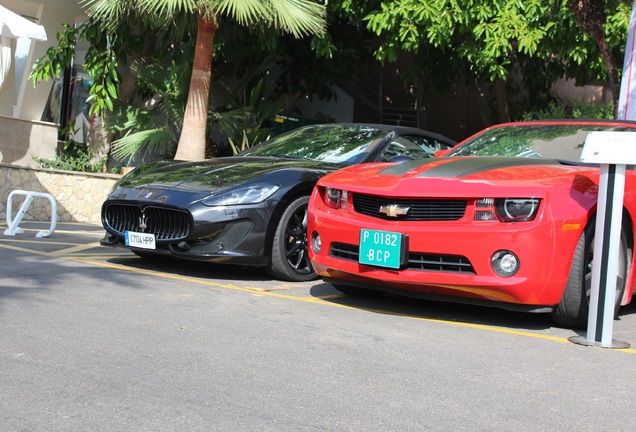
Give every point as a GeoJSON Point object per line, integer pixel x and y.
{"type": "Point", "coordinates": [400, 130]}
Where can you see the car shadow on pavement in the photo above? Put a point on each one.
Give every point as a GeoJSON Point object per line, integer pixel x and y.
{"type": "Point", "coordinates": [627, 310]}
{"type": "Point", "coordinates": [436, 310]}
{"type": "Point", "coordinates": [193, 269]}
{"type": "Point", "coordinates": [453, 312]}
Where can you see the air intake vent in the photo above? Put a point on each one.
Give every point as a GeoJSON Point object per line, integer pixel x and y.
{"type": "Point", "coordinates": [417, 261]}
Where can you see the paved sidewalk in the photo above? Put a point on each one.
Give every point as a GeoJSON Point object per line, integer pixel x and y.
{"type": "Point", "coordinates": [96, 338]}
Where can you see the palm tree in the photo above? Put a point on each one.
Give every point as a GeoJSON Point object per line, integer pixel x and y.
{"type": "Point", "coordinates": [298, 17]}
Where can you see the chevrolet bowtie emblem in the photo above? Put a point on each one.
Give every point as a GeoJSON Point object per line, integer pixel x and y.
{"type": "Point", "coordinates": [394, 210]}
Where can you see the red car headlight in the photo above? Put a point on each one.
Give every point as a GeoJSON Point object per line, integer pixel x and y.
{"type": "Point", "coordinates": [516, 209]}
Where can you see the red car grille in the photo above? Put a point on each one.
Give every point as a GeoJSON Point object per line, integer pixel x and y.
{"type": "Point", "coordinates": [165, 223]}
{"type": "Point", "coordinates": [418, 209]}
{"type": "Point", "coordinates": [417, 261]}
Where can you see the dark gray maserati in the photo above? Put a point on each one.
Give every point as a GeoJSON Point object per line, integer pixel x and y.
{"type": "Point", "coordinates": [249, 209]}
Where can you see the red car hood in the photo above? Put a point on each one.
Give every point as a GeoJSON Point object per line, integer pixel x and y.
{"type": "Point", "coordinates": [461, 176]}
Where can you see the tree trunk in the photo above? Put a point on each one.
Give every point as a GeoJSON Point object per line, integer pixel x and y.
{"type": "Point", "coordinates": [482, 103]}
{"type": "Point", "coordinates": [192, 140]}
{"type": "Point", "coordinates": [501, 96]}
{"type": "Point", "coordinates": [610, 64]}
{"type": "Point", "coordinates": [590, 16]}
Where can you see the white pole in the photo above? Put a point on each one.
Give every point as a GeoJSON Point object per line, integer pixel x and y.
{"type": "Point", "coordinates": [606, 254]}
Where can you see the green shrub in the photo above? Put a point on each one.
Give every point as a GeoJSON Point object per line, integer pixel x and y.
{"type": "Point", "coordinates": [577, 110]}
{"type": "Point", "coordinates": [76, 158]}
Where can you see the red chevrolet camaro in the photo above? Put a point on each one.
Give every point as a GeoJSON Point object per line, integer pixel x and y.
{"type": "Point", "coordinates": [506, 218]}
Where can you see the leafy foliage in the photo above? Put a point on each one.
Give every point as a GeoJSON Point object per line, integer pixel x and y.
{"type": "Point", "coordinates": [75, 159]}
{"type": "Point", "coordinates": [578, 110]}
{"type": "Point", "coordinates": [101, 61]}
{"type": "Point", "coordinates": [537, 41]}
{"type": "Point", "coordinates": [75, 156]}
{"type": "Point", "coordinates": [489, 34]}
{"type": "Point", "coordinates": [150, 125]}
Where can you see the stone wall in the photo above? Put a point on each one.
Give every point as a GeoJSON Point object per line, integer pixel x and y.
{"type": "Point", "coordinates": [79, 196]}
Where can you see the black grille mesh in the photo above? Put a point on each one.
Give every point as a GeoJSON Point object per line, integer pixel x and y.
{"type": "Point", "coordinates": [417, 261]}
{"type": "Point", "coordinates": [419, 209]}
{"type": "Point", "coordinates": [164, 223]}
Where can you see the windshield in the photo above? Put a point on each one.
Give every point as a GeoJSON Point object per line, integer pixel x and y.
{"type": "Point", "coordinates": [553, 141]}
{"type": "Point", "coordinates": [335, 143]}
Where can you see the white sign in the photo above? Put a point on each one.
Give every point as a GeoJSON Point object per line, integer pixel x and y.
{"type": "Point", "coordinates": [605, 147]}
{"type": "Point", "coordinates": [140, 240]}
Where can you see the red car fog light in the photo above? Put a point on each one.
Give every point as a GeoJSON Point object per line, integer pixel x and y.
{"type": "Point", "coordinates": [504, 263]}
{"type": "Point", "coordinates": [316, 243]}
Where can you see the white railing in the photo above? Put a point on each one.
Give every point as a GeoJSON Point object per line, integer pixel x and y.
{"type": "Point", "coordinates": [13, 223]}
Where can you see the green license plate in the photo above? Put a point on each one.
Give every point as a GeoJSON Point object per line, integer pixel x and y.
{"type": "Point", "coordinates": [382, 248]}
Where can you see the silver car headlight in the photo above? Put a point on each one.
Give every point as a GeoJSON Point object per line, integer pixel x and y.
{"type": "Point", "coordinates": [251, 194]}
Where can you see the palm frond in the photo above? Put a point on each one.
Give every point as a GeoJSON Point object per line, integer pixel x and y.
{"type": "Point", "coordinates": [143, 143]}
{"type": "Point", "coordinates": [153, 14]}
{"type": "Point", "coordinates": [230, 122]}
{"type": "Point", "coordinates": [299, 17]}
{"type": "Point", "coordinates": [109, 12]}
{"type": "Point", "coordinates": [167, 8]}
{"type": "Point", "coordinates": [246, 12]}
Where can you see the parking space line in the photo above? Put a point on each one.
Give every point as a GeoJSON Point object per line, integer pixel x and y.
{"type": "Point", "coordinates": [21, 249]}
{"type": "Point", "coordinates": [159, 274]}
{"type": "Point", "coordinates": [322, 300]}
{"type": "Point", "coordinates": [38, 242]}
{"type": "Point", "coordinates": [97, 260]}
{"type": "Point", "coordinates": [76, 248]}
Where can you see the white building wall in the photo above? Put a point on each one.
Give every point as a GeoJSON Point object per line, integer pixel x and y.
{"type": "Point", "coordinates": [29, 102]}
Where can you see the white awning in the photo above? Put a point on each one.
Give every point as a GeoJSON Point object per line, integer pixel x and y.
{"type": "Point", "coordinates": [15, 26]}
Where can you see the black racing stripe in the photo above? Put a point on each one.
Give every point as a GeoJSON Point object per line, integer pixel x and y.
{"type": "Point", "coordinates": [465, 166]}
{"type": "Point", "coordinates": [402, 168]}
{"type": "Point", "coordinates": [472, 165]}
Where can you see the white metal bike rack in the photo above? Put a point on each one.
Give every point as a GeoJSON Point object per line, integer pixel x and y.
{"type": "Point", "coordinates": [13, 223]}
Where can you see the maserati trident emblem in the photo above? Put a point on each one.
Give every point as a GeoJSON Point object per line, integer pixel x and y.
{"type": "Point", "coordinates": [142, 222]}
{"type": "Point", "coordinates": [394, 210]}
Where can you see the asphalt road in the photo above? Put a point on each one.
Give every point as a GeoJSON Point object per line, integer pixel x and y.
{"type": "Point", "coordinates": [96, 339]}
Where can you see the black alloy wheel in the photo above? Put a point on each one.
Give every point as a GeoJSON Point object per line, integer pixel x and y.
{"type": "Point", "coordinates": [290, 258]}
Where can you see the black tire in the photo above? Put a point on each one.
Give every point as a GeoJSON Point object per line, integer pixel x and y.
{"type": "Point", "coordinates": [573, 309]}
{"type": "Point", "coordinates": [290, 260]}
{"type": "Point", "coordinates": [357, 291]}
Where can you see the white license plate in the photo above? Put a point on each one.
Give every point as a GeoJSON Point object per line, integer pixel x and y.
{"type": "Point", "coordinates": [140, 240]}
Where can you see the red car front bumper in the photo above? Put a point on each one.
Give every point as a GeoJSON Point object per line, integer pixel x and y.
{"type": "Point", "coordinates": [543, 247]}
